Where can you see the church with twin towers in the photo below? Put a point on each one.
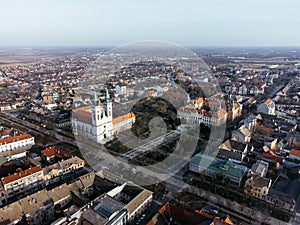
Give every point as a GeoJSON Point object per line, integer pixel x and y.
{"type": "Point", "coordinates": [96, 121]}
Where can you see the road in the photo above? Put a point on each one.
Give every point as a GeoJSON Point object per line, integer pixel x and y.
{"type": "Point", "coordinates": [35, 129]}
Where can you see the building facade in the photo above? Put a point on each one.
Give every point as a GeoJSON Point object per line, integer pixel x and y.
{"type": "Point", "coordinates": [267, 107]}
{"type": "Point", "coordinates": [23, 181]}
{"type": "Point", "coordinates": [257, 187]}
{"type": "Point", "coordinates": [11, 144]}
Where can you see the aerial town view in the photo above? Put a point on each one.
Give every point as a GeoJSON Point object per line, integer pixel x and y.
{"type": "Point", "coordinates": [150, 113]}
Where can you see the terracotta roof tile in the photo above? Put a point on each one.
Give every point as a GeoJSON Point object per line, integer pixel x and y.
{"type": "Point", "coordinates": [6, 132]}
{"type": "Point", "coordinates": [15, 138]}
{"type": "Point", "coordinates": [123, 118]}
{"type": "Point", "coordinates": [49, 152]}
{"type": "Point", "coordinates": [295, 152]}
{"type": "Point", "coordinates": [268, 101]}
{"type": "Point", "coordinates": [16, 176]}
{"type": "Point", "coordinates": [199, 100]}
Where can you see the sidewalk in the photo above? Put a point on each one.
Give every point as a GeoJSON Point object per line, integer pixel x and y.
{"type": "Point", "coordinates": [256, 216]}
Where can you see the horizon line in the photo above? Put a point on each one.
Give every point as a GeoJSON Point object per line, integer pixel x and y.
{"type": "Point", "coordinates": [113, 46]}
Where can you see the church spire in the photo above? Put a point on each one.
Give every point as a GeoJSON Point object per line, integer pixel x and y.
{"type": "Point", "coordinates": [95, 101]}
{"type": "Point", "coordinates": [107, 97]}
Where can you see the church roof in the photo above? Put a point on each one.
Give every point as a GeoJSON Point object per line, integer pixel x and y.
{"type": "Point", "coordinates": [83, 114]}
{"type": "Point", "coordinates": [123, 118]}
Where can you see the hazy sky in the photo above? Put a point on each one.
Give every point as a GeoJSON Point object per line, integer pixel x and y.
{"type": "Point", "coordinates": [187, 22]}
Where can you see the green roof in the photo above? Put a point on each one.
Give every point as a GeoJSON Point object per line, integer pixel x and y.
{"type": "Point", "coordinates": [226, 167]}
{"type": "Point", "coordinates": [2, 160]}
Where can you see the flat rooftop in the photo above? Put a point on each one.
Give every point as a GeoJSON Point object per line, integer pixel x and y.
{"type": "Point", "coordinates": [226, 167]}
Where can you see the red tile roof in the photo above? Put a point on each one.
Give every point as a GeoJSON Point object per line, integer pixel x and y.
{"type": "Point", "coordinates": [202, 213]}
{"type": "Point", "coordinates": [199, 100]}
{"type": "Point", "coordinates": [16, 176]}
{"type": "Point", "coordinates": [6, 132]}
{"type": "Point", "coordinates": [15, 138]}
{"type": "Point", "coordinates": [53, 151]}
{"type": "Point", "coordinates": [267, 102]}
{"type": "Point", "coordinates": [264, 128]}
{"type": "Point", "coordinates": [218, 221]}
{"type": "Point", "coordinates": [272, 157]}
{"type": "Point", "coordinates": [182, 216]}
{"type": "Point", "coordinates": [295, 152]}
{"type": "Point", "coordinates": [49, 152]}
{"type": "Point", "coordinates": [123, 117]}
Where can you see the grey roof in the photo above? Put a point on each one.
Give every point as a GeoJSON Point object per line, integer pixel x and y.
{"type": "Point", "coordinates": [92, 218]}
{"type": "Point", "coordinates": [59, 193]}
{"type": "Point", "coordinates": [259, 167]}
{"type": "Point", "coordinates": [66, 163]}
{"type": "Point", "coordinates": [10, 213]}
{"type": "Point", "coordinates": [138, 200]}
{"type": "Point", "coordinates": [232, 144]}
{"type": "Point", "coordinates": [35, 202]}
{"type": "Point", "coordinates": [230, 155]}
{"type": "Point", "coordinates": [106, 206]}
{"type": "Point", "coordinates": [288, 187]}
{"type": "Point", "coordinates": [88, 179]}
{"type": "Point", "coordinates": [237, 145]}
{"type": "Point", "coordinates": [293, 188]}
{"type": "Point", "coordinates": [75, 186]}
{"type": "Point", "coordinates": [261, 181]}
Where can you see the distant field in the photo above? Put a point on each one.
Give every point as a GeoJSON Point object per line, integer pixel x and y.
{"type": "Point", "coordinates": [13, 56]}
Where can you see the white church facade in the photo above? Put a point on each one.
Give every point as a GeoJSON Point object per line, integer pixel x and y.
{"type": "Point", "coordinates": [96, 122]}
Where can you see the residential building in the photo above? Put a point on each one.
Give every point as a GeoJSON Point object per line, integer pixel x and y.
{"type": "Point", "coordinates": [71, 165]}
{"type": "Point", "coordinates": [194, 116]}
{"type": "Point", "coordinates": [38, 208]}
{"type": "Point", "coordinates": [137, 199]}
{"type": "Point", "coordinates": [104, 210]}
{"type": "Point", "coordinates": [250, 123]}
{"type": "Point", "coordinates": [11, 214]}
{"type": "Point", "coordinates": [234, 150]}
{"type": "Point", "coordinates": [235, 146]}
{"type": "Point", "coordinates": [52, 154]}
{"type": "Point", "coordinates": [242, 134]}
{"type": "Point", "coordinates": [170, 213]}
{"type": "Point", "coordinates": [267, 107]}
{"type": "Point", "coordinates": [260, 168]}
{"type": "Point", "coordinates": [54, 172]}
{"type": "Point", "coordinates": [271, 156]}
{"type": "Point", "coordinates": [23, 181]}
{"type": "Point", "coordinates": [257, 187]}
{"type": "Point", "coordinates": [11, 144]}
{"type": "Point", "coordinates": [60, 195]}
{"type": "Point", "coordinates": [2, 195]}
{"type": "Point", "coordinates": [48, 154]}
{"type": "Point", "coordinates": [294, 154]}
{"type": "Point", "coordinates": [284, 194]}
{"type": "Point", "coordinates": [235, 111]}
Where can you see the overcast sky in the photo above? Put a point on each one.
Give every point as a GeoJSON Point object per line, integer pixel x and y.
{"type": "Point", "coordinates": [186, 22]}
